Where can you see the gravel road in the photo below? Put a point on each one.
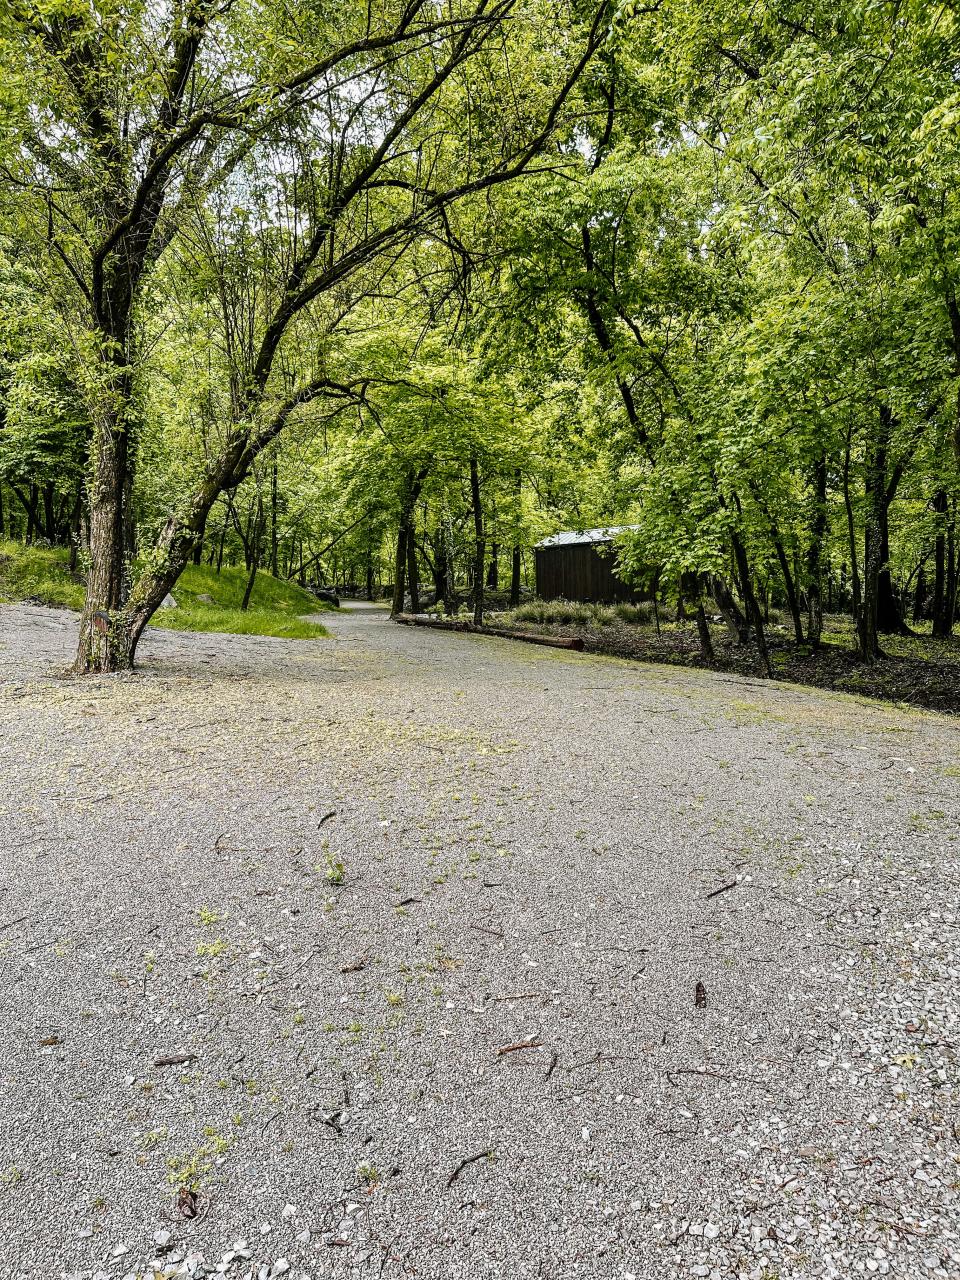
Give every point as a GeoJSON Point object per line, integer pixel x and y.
{"type": "Point", "coordinates": [418, 954]}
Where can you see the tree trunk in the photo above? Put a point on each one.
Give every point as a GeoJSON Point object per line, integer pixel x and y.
{"type": "Point", "coordinates": [732, 616]}
{"type": "Point", "coordinates": [480, 549]}
{"type": "Point", "coordinates": [750, 600]}
{"type": "Point", "coordinates": [107, 637]}
{"type": "Point", "coordinates": [441, 565]}
{"type": "Point", "coordinates": [942, 621]}
{"type": "Point", "coordinates": [76, 528]}
{"type": "Point", "coordinates": [400, 571]}
{"type": "Point", "coordinates": [493, 571]}
{"type": "Point", "coordinates": [951, 607]}
{"type": "Point", "coordinates": [693, 588]}
{"type": "Point", "coordinates": [414, 485]}
{"type": "Point", "coordinates": [790, 588]}
{"type": "Point", "coordinates": [369, 576]}
{"type": "Point", "coordinates": [889, 616]}
{"type": "Point", "coordinates": [875, 484]}
{"type": "Point", "coordinates": [855, 585]}
{"type": "Point", "coordinates": [255, 540]}
{"type": "Point", "coordinates": [413, 580]}
{"type": "Point", "coordinates": [3, 523]}
{"type": "Point", "coordinates": [920, 593]}
{"type": "Point", "coordinates": [31, 514]}
{"type": "Point", "coordinates": [515, 566]}
{"type": "Point", "coordinates": [274, 564]}
{"type": "Point", "coordinates": [49, 518]}
{"type": "Point", "coordinates": [815, 555]}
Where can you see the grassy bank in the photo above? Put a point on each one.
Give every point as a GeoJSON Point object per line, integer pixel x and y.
{"type": "Point", "coordinates": [206, 600]}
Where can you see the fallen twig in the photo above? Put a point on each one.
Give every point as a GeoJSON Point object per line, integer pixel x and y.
{"type": "Point", "coordinates": [521, 1044]}
{"type": "Point", "coordinates": [723, 889]}
{"type": "Point", "coordinates": [716, 1075]}
{"type": "Point", "coordinates": [465, 1163]}
{"type": "Point", "coordinates": [175, 1060]}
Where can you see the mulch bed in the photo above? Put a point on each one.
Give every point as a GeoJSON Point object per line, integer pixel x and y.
{"type": "Point", "coordinates": [933, 685]}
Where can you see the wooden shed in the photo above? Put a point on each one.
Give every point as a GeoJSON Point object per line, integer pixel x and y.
{"type": "Point", "coordinates": [580, 565]}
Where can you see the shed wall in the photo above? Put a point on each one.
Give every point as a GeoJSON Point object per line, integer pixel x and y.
{"type": "Point", "coordinates": [579, 571]}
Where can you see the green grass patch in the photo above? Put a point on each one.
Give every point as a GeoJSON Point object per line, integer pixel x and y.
{"type": "Point", "coordinates": [254, 622]}
{"type": "Point", "coordinates": [226, 589]}
{"type": "Point", "coordinates": [206, 600]}
{"type": "Point", "coordinates": [39, 574]}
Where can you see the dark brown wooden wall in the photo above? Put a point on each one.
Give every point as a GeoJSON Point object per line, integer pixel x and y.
{"type": "Point", "coordinates": [579, 572]}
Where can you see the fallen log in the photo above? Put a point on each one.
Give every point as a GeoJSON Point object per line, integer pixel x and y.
{"type": "Point", "coordinates": [450, 624]}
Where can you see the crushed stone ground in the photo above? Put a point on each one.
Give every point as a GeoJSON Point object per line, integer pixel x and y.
{"type": "Point", "coordinates": [420, 919]}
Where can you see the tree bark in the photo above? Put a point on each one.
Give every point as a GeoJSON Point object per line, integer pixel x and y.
{"type": "Point", "coordinates": [107, 642]}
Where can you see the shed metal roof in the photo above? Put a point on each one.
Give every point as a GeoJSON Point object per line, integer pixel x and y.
{"type": "Point", "coordinates": [575, 537]}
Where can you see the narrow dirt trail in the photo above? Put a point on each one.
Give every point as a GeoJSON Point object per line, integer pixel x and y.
{"type": "Point", "coordinates": [403, 898]}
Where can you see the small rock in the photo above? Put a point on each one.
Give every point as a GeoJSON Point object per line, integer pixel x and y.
{"type": "Point", "coordinates": [280, 1267]}
{"type": "Point", "coordinates": [162, 1237]}
{"type": "Point", "coordinates": [168, 602]}
{"type": "Point", "coordinates": [289, 1212]}
{"type": "Point", "coordinates": [119, 1250]}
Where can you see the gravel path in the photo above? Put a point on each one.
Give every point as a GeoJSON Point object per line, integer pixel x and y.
{"type": "Point", "coordinates": [480, 1054]}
